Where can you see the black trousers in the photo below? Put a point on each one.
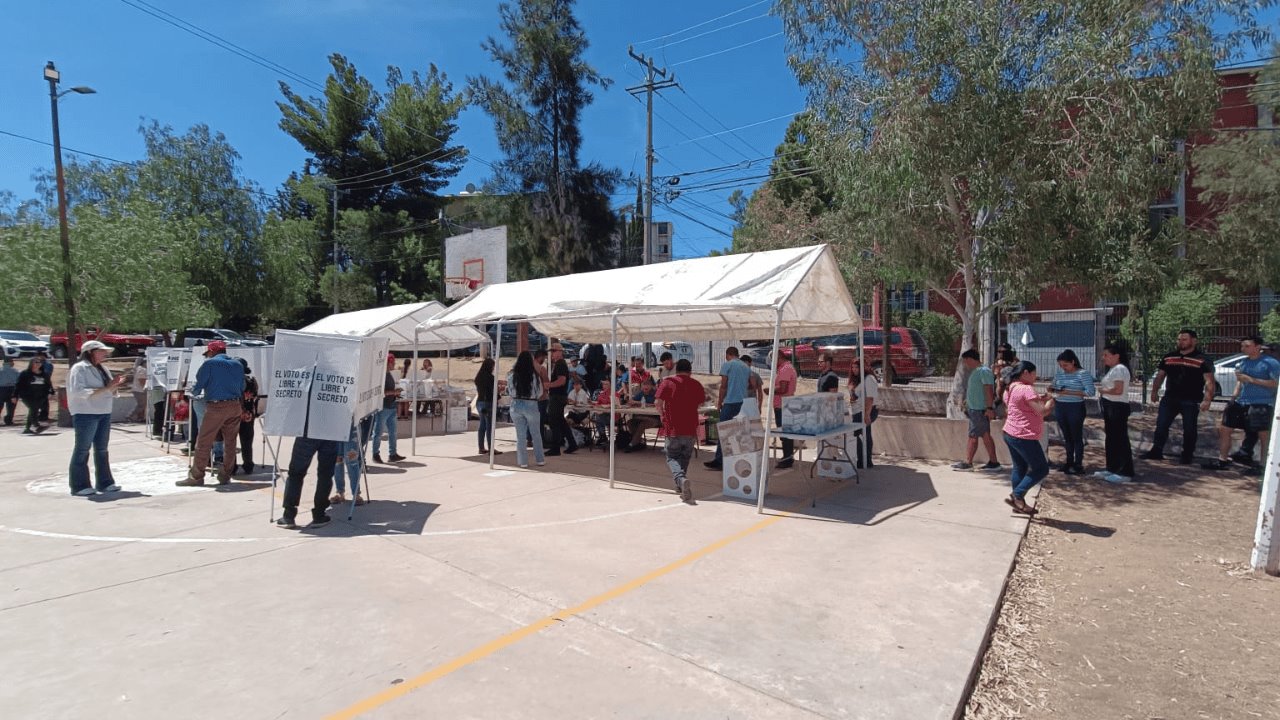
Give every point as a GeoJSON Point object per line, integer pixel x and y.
{"type": "Point", "coordinates": [9, 401]}
{"type": "Point", "coordinates": [246, 444]}
{"type": "Point", "coordinates": [788, 445]}
{"type": "Point", "coordinates": [326, 453]}
{"type": "Point", "coordinates": [158, 417]}
{"type": "Point", "coordinates": [560, 431]}
{"type": "Point", "coordinates": [1115, 423]}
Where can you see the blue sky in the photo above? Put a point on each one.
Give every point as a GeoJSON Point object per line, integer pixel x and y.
{"type": "Point", "coordinates": [144, 68]}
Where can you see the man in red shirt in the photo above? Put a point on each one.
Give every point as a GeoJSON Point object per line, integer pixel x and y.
{"type": "Point", "coordinates": [784, 385]}
{"type": "Point", "coordinates": [678, 400]}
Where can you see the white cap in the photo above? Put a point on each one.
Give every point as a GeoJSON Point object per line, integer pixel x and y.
{"type": "Point", "coordinates": [95, 345]}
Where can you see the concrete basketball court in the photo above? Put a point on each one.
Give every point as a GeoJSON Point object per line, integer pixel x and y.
{"type": "Point", "coordinates": [464, 593]}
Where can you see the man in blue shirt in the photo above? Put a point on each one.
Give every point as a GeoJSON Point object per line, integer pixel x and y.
{"type": "Point", "coordinates": [1252, 405]}
{"type": "Point", "coordinates": [220, 380]}
{"type": "Point", "coordinates": [734, 376]}
{"type": "Point", "coordinates": [8, 389]}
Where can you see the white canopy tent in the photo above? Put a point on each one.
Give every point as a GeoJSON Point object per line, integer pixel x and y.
{"type": "Point", "coordinates": [795, 292]}
{"type": "Point", "coordinates": [398, 323]}
{"type": "Point", "coordinates": [402, 325]}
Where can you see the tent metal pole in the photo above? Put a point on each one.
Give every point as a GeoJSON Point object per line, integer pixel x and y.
{"type": "Point", "coordinates": [448, 357]}
{"type": "Point", "coordinates": [613, 398]}
{"type": "Point", "coordinates": [862, 378]}
{"type": "Point", "coordinates": [493, 420]}
{"type": "Point", "coordinates": [768, 416]}
{"type": "Point", "coordinates": [413, 424]}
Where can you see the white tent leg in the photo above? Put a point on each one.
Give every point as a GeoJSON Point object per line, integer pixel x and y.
{"type": "Point", "coordinates": [493, 420]}
{"type": "Point", "coordinates": [613, 399]}
{"type": "Point", "coordinates": [768, 417]}
{"type": "Point", "coordinates": [275, 476]}
{"type": "Point", "coordinates": [865, 453]}
{"type": "Point", "coordinates": [413, 424]}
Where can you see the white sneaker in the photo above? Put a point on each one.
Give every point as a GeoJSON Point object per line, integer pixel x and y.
{"type": "Point", "coordinates": [1117, 479]}
{"type": "Point", "coordinates": [86, 492]}
{"type": "Point", "coordinates": [1102, 474]}
{"type": "Point", "coordinates": [111, 488]}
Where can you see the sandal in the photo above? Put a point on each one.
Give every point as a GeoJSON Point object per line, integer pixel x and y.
{"type": "Point", "coordinates": [338, 498]}
{"type": "Point", "coordinates": [359, 499]}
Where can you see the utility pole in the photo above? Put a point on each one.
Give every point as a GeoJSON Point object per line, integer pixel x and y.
{"type": "Point", "coordinates": [651, 84]}
{"type": "Point", "coordinates": [335, 249]}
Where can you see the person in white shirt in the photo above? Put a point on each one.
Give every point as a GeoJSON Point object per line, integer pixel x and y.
{"type": "Point", "coordinates": [139, 390]}
{"type": "Point", "coordinates": [90, 392]}
{"type": "Point", "coordinates": [862, 403]}
{"type": "Point", "coordinates": [1114, 391]}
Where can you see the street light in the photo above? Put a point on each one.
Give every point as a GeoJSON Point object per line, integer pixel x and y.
{"type": "Point", "coordinates": [68, 299]}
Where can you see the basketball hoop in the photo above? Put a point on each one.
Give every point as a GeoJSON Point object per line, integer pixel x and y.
{"type": "Point", "coordinates": [459, 287]}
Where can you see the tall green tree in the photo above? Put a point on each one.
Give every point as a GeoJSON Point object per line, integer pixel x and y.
{"type": "Point", "coordinates": [563, 223]}
{"type": "Point", "coordinates": [194, 179]}
{"type": "Point", "coordinates": [387, 155]}
{"type": "Point", "coordinates": [1015, 145]}
{"type": "Point", "coordinates": [1238, 175]}
{"type": "Point", "coordinates": [129, 271]}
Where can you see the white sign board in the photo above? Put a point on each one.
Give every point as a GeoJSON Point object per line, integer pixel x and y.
{"type": "Point", "coordinates": [179, 363]}
{"type": "Point", "coordinates": [320, 385]}
{"type": "Point", "coordinates": [194, 359]}
{"type": "Point", "coordinates": [261, 362]}
{"type": "Point", "coordinates": [158, 368]}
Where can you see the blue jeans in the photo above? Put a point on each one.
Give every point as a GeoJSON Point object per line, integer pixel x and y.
{"type": "Point", "coordinates": [525, 415]}
{"type": "Point", "coordinates": [485, 433]}
{"type": "Point", "coordinates": [1070, 417]}
{"type": "Point", "coordinates": [95, 431]}
{"type": "Point", "coordinates": [385, 418]}
{"type": "Point", "coordinates": [1029, 464]}
{"type": "Point", "coordinates": [350, 459]}
{"type": "Point", "coordinates": [728, 411]}
{"type": "Point", "coordinates": [1169, 409]}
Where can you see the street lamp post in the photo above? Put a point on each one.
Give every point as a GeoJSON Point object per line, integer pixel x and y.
{"type": "Point", "coordinates": [68, 298]}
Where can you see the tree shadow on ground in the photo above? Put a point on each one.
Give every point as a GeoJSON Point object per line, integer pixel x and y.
{"type": "Point", "coordinates": [1155, 481]}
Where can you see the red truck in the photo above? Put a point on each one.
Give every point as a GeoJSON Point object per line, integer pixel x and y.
{"type": "Point", "coordinates": [907, 352]}
{"type": "Point", "coordinates": [124, 343]}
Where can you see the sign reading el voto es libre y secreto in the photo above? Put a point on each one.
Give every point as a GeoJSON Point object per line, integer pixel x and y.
{"type": "Point", "coordinates": [321, 384]}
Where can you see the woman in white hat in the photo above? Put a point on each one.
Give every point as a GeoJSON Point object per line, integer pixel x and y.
{"type": "Point", "coordinates": [90, 389]}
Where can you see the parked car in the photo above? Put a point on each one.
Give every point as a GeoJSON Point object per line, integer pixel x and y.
{"type": "Point", "coordinates": [908, 354]}
{"type": "Point", "coordinates": [122, 343]}
{"type": "Point", "coordinates": [1224, 371]}
{"type": "Point", "coordinates": [191, 337]}
{"type": "Point", "coordinates": [20, 343]}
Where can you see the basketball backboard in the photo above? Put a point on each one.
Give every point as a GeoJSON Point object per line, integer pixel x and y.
{"type": "Point", "coordinates": [473, 260]}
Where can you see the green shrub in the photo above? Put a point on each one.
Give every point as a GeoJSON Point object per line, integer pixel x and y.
{"type": "Point", "coordinates": [1189, 304]}
{"type": "Point", "coordinates": [941, 333]}
{"type": "Point", "coordinates": [1269, 328]}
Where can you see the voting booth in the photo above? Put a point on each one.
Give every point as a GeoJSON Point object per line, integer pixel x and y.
{"type": "Point", "coordinates": [320, 386]}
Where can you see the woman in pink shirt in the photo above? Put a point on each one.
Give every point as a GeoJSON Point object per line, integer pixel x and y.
{"type": "Point", "coordinates": [1022, 431]}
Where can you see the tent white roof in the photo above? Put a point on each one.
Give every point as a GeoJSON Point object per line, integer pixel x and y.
{"type": "Point", "coordinates": [729, 296]}
{"type": "Point", "coordinates": [397, 323]}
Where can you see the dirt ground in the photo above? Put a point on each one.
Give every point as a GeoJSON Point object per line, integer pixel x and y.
{"type": "Point", "coordinates": [1136, 601]}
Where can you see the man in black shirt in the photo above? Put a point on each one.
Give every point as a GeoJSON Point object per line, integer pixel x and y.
{"type": "Point", "coordinates": [557, 397]}
{"type": "Point", "coordinates": [1190, 376]}
{"type": "Point", "coordinates": [828, 381]}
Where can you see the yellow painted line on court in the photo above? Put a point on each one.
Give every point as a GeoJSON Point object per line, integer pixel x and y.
{"type": "Point", "coordinates": [511, 638]}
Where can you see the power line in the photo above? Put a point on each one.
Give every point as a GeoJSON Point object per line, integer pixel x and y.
{"type": "Point", "coordinates": [714, 30]}
{"type": "Point", "coordinates": [69, 149]}
{"type": "Point", "coordinates": [717, 120]}
{"type": "Point", "coordinates": [730, 130]}
{"type": "Point", "coordinates": [197, 31]}
{"type": "Point", "coordinates": [703, 23]}
{"type": "Point", "coordinates": [728, 49]}
{"type": "Point", "coordinates": [705, 129]}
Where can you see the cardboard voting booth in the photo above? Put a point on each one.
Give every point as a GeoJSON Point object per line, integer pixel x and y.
{"type": "Point", "coordinates": [321, 385]}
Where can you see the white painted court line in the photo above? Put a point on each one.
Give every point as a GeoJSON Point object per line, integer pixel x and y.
{"type": "Point", "coordinates": [294, 536]}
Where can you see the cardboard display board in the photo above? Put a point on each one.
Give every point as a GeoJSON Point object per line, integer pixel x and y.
{"type": "Point", "coordinates": [194, 359]}
{"type": "Point", "coordinates": [320, 385]}
{"type": "Point", "coordinates": [179, 364]}
{"type": "Point", "coordinates": [158, 367]}
{"type": "Point", "coordinates": [261, 362]}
